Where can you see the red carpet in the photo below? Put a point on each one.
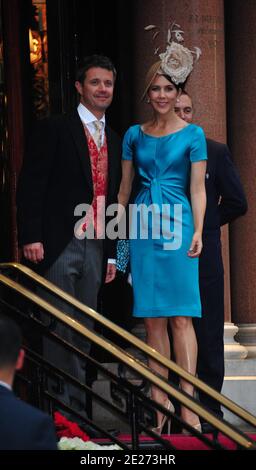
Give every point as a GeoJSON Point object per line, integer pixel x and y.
{"type": "Point", "coordinates": [181, 442]}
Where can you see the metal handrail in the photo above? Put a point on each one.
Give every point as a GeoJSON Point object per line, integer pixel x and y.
{"type": "Point", "coordinates": [129, 360]}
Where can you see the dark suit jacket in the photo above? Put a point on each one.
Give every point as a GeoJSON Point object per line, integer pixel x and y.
{"type": "Point", "coordinates": [222, 181]}
{"type": "Point", "coordinates": [55, 178]}
{"type": "Point", "coordinates": [23, 427]}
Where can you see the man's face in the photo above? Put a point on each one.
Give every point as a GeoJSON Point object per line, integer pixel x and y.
{"type": "Point", "coordinates": [184, 109]}
{"type": "Point", "coordinates": [96, 92]}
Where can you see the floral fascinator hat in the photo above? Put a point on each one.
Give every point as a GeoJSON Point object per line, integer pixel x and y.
{"type": "Point", "coordinates": [176, 61]}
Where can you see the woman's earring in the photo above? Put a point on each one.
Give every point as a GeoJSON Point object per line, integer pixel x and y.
{"type": "Point", "coordinates": [178, 100]}
{"type": "Point", "coordinates": [147, 100]}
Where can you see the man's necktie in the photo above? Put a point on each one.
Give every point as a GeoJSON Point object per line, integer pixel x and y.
{"type": "Point", "coordinates": [97, 136]}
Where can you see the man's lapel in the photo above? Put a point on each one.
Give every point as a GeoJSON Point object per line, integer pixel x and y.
{"type": "Point", "coordinates": [78, 134]}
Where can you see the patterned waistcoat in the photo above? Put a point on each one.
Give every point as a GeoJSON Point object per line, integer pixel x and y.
{"type": "Point", "coordinates": [99, 168]}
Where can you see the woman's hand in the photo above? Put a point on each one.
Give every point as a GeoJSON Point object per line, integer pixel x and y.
{"type": "Point", "coordinates": [196, 245]}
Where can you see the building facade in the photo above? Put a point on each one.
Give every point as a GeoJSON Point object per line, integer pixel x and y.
{"type": "Point", "coordinates": [41, 44]}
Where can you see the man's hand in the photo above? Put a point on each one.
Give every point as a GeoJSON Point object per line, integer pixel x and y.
{"type": "Point", "coordinates": [34, 252]}
{"type": "Point", "coordinates": [111, 273]}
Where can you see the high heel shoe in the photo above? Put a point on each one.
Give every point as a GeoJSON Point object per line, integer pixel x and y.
{"type": "Point", "coordinates": [158, 430]}
{"type": "Point", "coordinates": [197, 427]}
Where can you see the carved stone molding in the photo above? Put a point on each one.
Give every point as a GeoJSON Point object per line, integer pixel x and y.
{"type": "Point", "coordinates": [232, 348]}
{"type": "Point", "coordinates": [246, 336]}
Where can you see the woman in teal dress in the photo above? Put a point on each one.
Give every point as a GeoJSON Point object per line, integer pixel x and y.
{"type": "Point", "coordinates": [166, 230]}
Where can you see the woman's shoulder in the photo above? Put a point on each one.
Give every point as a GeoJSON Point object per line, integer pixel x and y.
{"type": "Point", "coordinates": [197, 129]}
{"type": "Point", "coordinates": [133, 130]}
{"type": "Point", "coordinates": [132, 133]}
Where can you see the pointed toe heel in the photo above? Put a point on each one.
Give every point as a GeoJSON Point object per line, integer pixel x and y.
{"type": "Point", "coordinates": [197, 427]}
{"type": "Point", "coordinates": [159, 429]}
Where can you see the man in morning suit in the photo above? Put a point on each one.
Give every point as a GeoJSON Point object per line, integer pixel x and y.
{"type": "Point", "coordinates": [22, 427]}
{"type": "Point", "coordinates": [225, 202]}
{"type": "Point", "coordinates": [72, 159]}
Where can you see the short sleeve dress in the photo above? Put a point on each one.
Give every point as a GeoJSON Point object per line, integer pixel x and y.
{"type": "Point", "coordinates": [165, 280]}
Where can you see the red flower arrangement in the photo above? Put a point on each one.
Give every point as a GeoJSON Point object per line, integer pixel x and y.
{"type": "Point", "coordinates": [66, 428]}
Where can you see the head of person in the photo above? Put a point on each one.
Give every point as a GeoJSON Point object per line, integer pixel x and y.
{"type": "Point", "coordinates": [11, 353]}
{"type": "Point", "coordinates": [184, 107]}
{"type": "Point", "coordinates": [167, 77]}
{"type": "Point", "coordinates": [95, 81]}
{"type": "Point", "coordinates": [161, 91]}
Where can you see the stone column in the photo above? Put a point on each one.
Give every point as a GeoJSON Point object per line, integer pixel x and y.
{"type": "Point", "coordinates": [241, 37]}
{"type": "Point", "coordinates": [203, 26]}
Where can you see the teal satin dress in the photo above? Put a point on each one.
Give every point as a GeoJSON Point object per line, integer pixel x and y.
{"type": "Point", "coordinates": [165, 280]}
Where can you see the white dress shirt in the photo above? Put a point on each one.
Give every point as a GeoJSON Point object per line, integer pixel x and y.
{"type": "Point", "coordinates": [4, 384]}
{"type": "Point", "coordinates": [88, 118]}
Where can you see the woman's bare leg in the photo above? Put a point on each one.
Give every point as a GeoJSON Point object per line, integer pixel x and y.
{"type": "Point", "coordinates": [185, 350]}
{"type": "Point", "coordinates": [157, 338]}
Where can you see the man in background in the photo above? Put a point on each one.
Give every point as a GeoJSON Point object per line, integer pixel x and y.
{"type": "Point", "coordinates": [225, 202]}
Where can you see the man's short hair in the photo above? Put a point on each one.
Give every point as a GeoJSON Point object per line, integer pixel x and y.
{"type": "Point", "coordinates": [10, 341]}
{"type": "Point", "coordinates": [184, 92]}
{"type": "Point", "coordinates": [95, 60]}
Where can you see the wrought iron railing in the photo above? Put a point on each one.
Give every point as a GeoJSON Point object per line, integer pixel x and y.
{"type": "Point", "coordinates": [135, 406]}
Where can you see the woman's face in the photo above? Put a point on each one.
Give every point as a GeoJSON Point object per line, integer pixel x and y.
{"type": "Point", "coordinates": [162, 95]}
